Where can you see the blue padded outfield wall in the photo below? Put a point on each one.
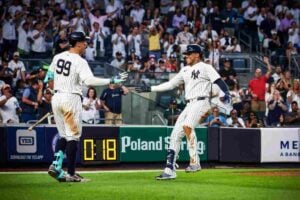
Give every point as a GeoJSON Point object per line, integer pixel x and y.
{"type": "Point", "coordinates": [119, 144]}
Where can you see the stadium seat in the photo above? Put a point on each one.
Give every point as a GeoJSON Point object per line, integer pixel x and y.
{"type": "Point", "coordinates": [164, 100]}
{"type": "Point", "coordinates": [240, 65]}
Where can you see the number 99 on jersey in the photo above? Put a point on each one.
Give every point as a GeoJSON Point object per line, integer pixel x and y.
{"type": "Point", "coordinates": [99, 150]}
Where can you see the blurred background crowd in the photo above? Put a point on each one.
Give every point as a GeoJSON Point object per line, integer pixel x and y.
{"type": "Point", "coordinates": [147, 39]}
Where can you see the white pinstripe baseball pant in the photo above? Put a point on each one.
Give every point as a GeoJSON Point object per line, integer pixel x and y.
{"type": "Point", "coordinates": [67, 110]}
{"type": "Point", "coordinates": [189, 117]}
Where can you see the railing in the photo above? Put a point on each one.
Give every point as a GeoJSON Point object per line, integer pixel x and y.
{"type": "Point", "coordinates": [157, 115]}
{"type": "Point", "coordinates": [245, 41]}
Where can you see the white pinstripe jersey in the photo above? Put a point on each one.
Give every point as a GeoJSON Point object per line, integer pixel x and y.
{"type": "Point", "coordinates": [70, 70]}
{"type": "Point", "coordinates": [197, 79]}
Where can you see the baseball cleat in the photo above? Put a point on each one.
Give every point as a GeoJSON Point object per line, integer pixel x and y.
{"type": "Point", "coordinates": [193, 168]}
{"type": "Point", "coordinates": [75, 178]}
{"type": "Point", "coordinates": [168, 174]}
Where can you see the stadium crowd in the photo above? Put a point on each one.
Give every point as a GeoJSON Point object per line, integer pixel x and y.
{"type": "Point", "coordinates": [147, 38]}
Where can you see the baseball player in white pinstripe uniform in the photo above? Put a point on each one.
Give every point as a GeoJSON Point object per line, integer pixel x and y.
{"type": "Point", "coordinates": [70, 71]}
{"type": "Point", "coordinates": [197, 77]}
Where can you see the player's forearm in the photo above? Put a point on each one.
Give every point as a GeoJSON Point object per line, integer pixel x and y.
{"type": "Point", "coordinates": [162, 87]}
{"type": "Point", "coordinates": [94, 81]}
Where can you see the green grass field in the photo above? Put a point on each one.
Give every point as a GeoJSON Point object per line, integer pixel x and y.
{"type": "Point", "coordinates": [208, 184]}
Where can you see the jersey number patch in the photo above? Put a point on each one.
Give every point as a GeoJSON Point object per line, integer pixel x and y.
{"type": "Point", "coordinates": [63, 67]}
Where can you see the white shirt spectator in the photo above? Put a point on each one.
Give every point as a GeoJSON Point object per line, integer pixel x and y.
{"type": "Point", "coordinates": [112, 7]}
{"type": "Point", "coordinates": [259, 19]}
{"type": "Point", "coordinates": [90, 53]}
{"type": "Point", "coordinates": [294, 36]}
{"type": "Point", "coordinates": [177, 19]}
{"type": "Point", "coordinates": [100, 36]}
{"type": "Point", "coordinates": [184, 38]}
{"type": "Point", "coordinates": [78, 24]}
{"type": "Point", "coordinates": [118, 44]}
{"type": "Point", "coordinates": [204, 35]}
{"type": "Point", "coordinates": [23, 42]}
{"type": "Point", "coordinates": [117, 63]}
{"type": "Point", "coordinates": [39, 44]}
{"type": "Point", "coordinates": [281, 8]}
{"type": "Point", "coordinates": [233, 48]}
{"type": "Point", "coordinates": [137, 40]}
{"type": "Point", "coordinates": [92, 113]}
{"type": "Point", "coordinates": [20, 67]}
{"type": "Point", "coordinates": [296, 13]}
{"type": "Point", "coordinates": [137, 15]}
{"type": "Point", "coordinates": [8, 110]}
{"type": "Point", "coordinates": [100, 20]}
{"type": "Point", "coordinates": [13, 8]}
{"type": "Point", "coordinates": [240, 120]}
{"type": "Point", "coordinates": [250, 13]}
{"type": "Point", "coordinates": [9, 30]}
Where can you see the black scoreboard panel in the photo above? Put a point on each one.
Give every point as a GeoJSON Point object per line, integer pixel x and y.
{"type": "Point", "coordinates": [100, 145]}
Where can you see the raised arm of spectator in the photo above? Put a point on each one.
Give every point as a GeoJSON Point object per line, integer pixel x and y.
{"type": "Point", "coordinates": [40, 92]}
{"type": "Point", "coordinates": [269, 66]}
{"type": "Point", "coordinates": [161, 30]}
{"type": "Point", "coordinates": [86, 7]}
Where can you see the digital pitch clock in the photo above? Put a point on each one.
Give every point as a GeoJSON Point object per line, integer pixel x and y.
{"type": "Point", "coordinates": [99, 147]}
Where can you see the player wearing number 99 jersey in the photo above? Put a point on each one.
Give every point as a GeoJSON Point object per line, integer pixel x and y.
{"type": "Point", "coordinates": [70, 71]}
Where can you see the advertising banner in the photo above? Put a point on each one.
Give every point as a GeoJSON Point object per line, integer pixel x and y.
{"type": "Point", "coordinates": [24, 145]}
{"type": "Point", "coordinates": [3, 153]}
{"type": "Point", "coordinates": [239, 145]}
{"type": "Point", "coordinates": [280, 145]}
{"type": "Point", "coordinates": [149, 144]}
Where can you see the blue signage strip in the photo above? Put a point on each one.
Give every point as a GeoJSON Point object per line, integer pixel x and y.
{"type": "Point", "coordinates": [3, 153]}
{"type": "Point", "coordinates": [24, 145]}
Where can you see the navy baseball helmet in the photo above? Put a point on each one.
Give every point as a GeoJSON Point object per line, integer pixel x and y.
{"type": "Point", "coordinates": [193, 48]}
{"type": "Point", "coordinates": [77, 37]}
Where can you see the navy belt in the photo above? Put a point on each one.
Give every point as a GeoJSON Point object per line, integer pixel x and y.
{"type": "Point", "coordinates": [196, 99]}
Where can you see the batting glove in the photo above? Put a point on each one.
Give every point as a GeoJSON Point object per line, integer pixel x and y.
{"type": "Point", "coordinates": [122, 77]}
{"type": "Point", "coordinates": [227, 98]}
{"type": "Point", "coordinates": [49, 76]}
{"type": "Point", "coordinates": [143, 88]}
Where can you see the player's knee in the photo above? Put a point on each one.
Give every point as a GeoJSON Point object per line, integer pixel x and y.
{"type": "Point", "coordinates": [187, 130]}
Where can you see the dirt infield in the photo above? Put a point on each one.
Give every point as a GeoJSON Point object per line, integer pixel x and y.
{"type": "Point", "coordinates": [273, 173]}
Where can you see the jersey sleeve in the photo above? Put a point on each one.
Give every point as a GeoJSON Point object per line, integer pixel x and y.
{"type": "Point", "coordinates": [174, 82]}
{"type": "Point", "coordinates": [85, 71]}
{"type": "Point", "coordinates": [212, 74]}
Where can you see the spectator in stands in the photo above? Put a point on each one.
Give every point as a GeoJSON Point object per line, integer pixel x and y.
{"type": "Point", "coordinates": [282, 7]}
{"type": "Point", "coordinates": [24, 39]}
{"type": "Point", "coordinates": [215, 119]}
{"type": "Point", "coordinates": [265, 28]}
{"type": "Point", "coordinates": [289, 52]}
{"type": "Point", "coordinates": [119, 61]}
{"type": "Point", "coordinates": [235, 93]}
{"type": "Point", "coordinates": [271, 87]}
{"type": "Point", "coordinates": [225, 41]}
{"type": "Point", "coordinates": [30, 100]}
{"type": "Point", "coordinates": [9, 35]}
{"type": "Point", "coordinates": [119, 41]}
{"type": "Point", "coordinates": [206, 12]}
{"type": "Point", "coordinates": [98, 35]}
{"type": "Point", "coordinates": [62, 44]}
{"type": "Point", "coordinates": [39, 40]}
{"type": "Point", "coordinates": [161, 72]}
{"type": "Point", "coordinates": [90, 52]}
{"type": "Point", "coordinates": [155, 34]}
{"type": "Point", "coordinates": [214, 54]}
{"type": "Point", "coordinates": [78, 23]}
{"type": "Point", "coordinates": [293, 33]}
{"type": "Point", "coordinates": [91, 105]}
{"type": "Point", "coordinates": [172, 113]}
{"type": "Point", "coordinates": [234, 120]}
{"type": "Point", "coordinates": [257, 88]}
{"type": "Point", "coordinates": [234, 47]}
{"type": "Point", "coordinates": [208, 35]}
{"type": "Point", "coordinates": [94, 16]}
{"type": "Point", "coordinates": [229, 18]}
{"type": "Point", "coordinates": [277, 73]}
{"type": "Point", "coordinates": [20, 86]}
{"type": "Point", "coordinates": [6, 73]}
{"type": "Point", "coordinates": [137, 13]}
{"type": "Point", "coordinates": [16, 65]}
{"type": "Point", "coordinates": [134, 40]}
{"type": "Point", "coordinates": [253, 121]}
{"type": "Point", "coordinates": [293, 94]}
{"type": "Point", "coordinates": [178, 18]}
{"type": "Point", "coordinates": [293, 117]}
{"type": "Point", "coordinates": [184, 37]}
{"type": "Point", "coordinates": [114, 8]}
{"type": "Point", "coordinates": [172, 63]}
{"type": "Point", "coordinates": [111, 100]}
{"type": "Point", "coordinates": [227, 72]}
{"type": "Point", "coordinates": [277, 108]}
{"type": "Point", "coordinates": [215, 19]}
{"type": "Point", "coordinates": [45, 105]}
{"type": "Point", "coordinates": [9, 106]}
{"type": "Point", "coordinates": [274, 44]}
